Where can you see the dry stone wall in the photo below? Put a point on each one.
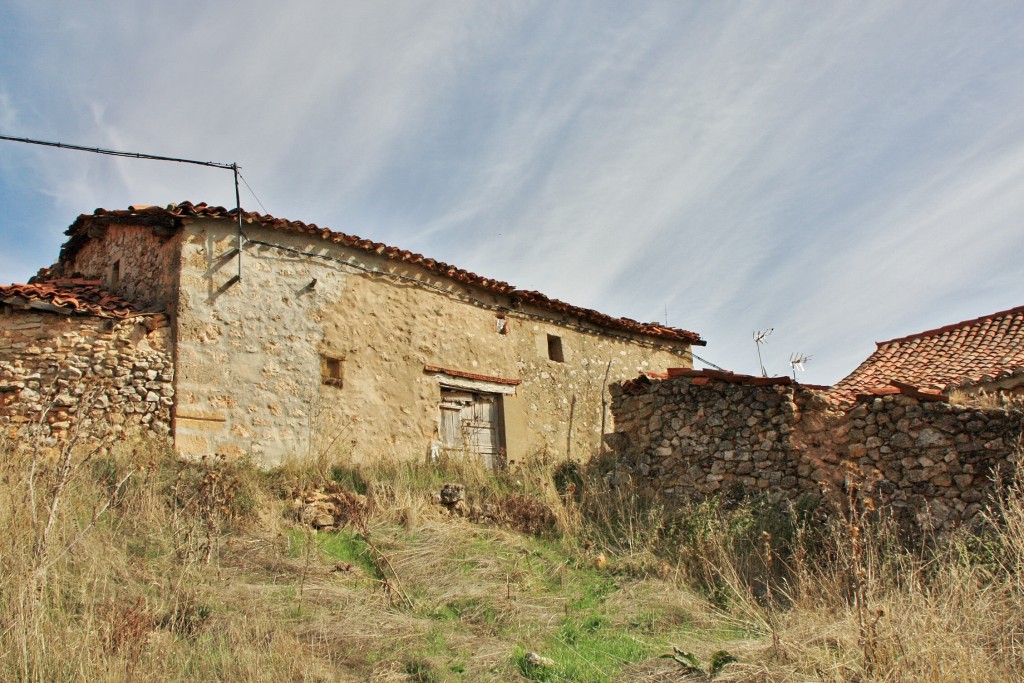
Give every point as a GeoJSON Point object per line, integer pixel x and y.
{"type": "Point", "coordinates": [58, 370]}
{"type": "Point", "coordinates": [931, 463]}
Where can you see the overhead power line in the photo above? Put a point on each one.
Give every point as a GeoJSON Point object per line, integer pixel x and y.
{"type": "Point", "coordinates": [233, 167]}
{"type": "Point", "coordinates": [118, 153]}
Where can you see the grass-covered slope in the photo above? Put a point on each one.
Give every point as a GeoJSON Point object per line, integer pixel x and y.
{"type": "Point", "coordinates": [126, 564]}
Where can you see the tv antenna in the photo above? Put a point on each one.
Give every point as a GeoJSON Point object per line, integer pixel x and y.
{"type": "Point", "coordinates": [759, 338]}
{"type": "Point", "coordinates": [797, 361]}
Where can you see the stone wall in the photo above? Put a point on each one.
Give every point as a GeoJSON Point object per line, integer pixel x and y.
{"type": "Point", "coordinates": [146, 261]}
{"type": "Point", "coordinates": [700, 435]}
{"type": "Point", "coordinates": [57, 369]}
{"type": "Point", "coordinates": [250, 354]}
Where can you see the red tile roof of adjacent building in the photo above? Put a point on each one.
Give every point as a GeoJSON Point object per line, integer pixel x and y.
{"type": "Point", "coordinates": [70, 296]}
{"type": "Point", "coordinates": [172, 214]}
{"type": "Point", "coordinates": [967, 353]}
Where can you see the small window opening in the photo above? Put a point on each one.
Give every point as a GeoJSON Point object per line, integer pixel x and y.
{"type": "Point", "coordinates": [332, 370]}
{"type": "Point", "coordinates": [555, 348]}
{"type": "Point", "coordinates": [115, 275]}
{"type": "Point", "coordinates": [500, 324]}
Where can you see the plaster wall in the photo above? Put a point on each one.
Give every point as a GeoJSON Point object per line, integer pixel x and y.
{"type": "Point", "coordinates": [250, 354]}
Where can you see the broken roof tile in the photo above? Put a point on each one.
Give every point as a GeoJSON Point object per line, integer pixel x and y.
{"type": "Point", "coordinates": [69, 296]}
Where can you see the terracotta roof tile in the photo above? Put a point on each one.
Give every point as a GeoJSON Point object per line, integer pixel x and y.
{"type": "Point", "coordinates": [980, 350]}
{"type": "Point", "coordinates": [70, 296]}
{"type": "Point", "coordinates": [167, 216]}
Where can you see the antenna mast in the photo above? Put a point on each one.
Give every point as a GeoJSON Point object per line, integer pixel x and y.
{"type": "Point", "coordinates": [759, 338]}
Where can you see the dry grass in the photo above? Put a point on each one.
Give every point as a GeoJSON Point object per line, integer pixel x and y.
{"type": "Point", "coordinates": [151, 569]}
{"type": "Point", "coordinates": [995, 399]}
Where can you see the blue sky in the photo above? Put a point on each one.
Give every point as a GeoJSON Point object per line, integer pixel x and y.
{"type": "Point", "coordinates": [840, 172]}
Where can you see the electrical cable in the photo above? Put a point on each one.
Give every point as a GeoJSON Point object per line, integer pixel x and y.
{"type": "Point", "coordinates": [237, 170]}
{"type": "Point", "coordinates": [118, 153]}
{"type": "Point", "coordinates": [253, 193]}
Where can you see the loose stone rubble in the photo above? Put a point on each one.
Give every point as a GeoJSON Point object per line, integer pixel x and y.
{"type": "Point", "coordinates": [329, 508]}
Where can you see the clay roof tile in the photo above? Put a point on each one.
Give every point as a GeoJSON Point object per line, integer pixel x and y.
{"type": "Point", "coordinates": [71, 296]}
{"type": "Point", "coordinates": [970, 352]}
{"type": "Point", "coordinates": [186, 211]}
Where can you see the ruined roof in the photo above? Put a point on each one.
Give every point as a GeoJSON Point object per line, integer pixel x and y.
{"type": "Point", "coordinates": [971, 352]}
{"type": "Point", "coordinates": [69, 296]}
{"type": "Point", "coordinates": [173, 214]}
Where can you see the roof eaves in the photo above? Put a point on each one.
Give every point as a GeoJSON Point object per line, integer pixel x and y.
{"type": "Point", "coordinates": [176, 214]}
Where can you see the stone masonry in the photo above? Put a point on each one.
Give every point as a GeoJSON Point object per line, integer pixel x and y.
{"type": "Point", "coordinates": [286, 341]}
{"type": "Point", "coordinates": [60, 369]}
{"type": "Point", "coordinates": [929, 462]}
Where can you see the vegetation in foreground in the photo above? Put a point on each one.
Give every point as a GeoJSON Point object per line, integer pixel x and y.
{"type": "Point", "coordinates": [125, 564]}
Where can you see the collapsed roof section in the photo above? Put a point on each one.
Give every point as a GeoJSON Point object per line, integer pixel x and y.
{"type": "Point", "coordinates": [68, 296]}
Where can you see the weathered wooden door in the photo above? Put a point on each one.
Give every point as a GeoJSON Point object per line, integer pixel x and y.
{"type": "Point", "coordinates": [471, 422]}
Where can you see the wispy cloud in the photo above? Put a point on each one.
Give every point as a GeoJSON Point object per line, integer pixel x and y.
{"type": "Point", "coordinates": [840, 172]}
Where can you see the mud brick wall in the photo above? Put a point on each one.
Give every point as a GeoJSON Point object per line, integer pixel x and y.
{"type": "Point", "coordinates": [57, 371]}
{"type": "Point", "coordinates": [929, 462]}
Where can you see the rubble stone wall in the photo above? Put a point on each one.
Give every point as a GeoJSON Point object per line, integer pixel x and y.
{"type": "Point", "coordinates": [59, 371]}
{"type": "Point", "coordinates": [146, 264]}
{"type": "Point", "coordinates": [930, 462]}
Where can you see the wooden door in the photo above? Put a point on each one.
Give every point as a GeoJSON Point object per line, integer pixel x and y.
{"type": "Point", "coordinates": [480, 423]}
{"type": "Point", "coordinates": [471, 422]}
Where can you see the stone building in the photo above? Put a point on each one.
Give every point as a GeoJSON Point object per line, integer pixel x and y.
{"type": "Point", "coordinates": [985, 353]}
{"type": "Point", "coordinates": [930, 463]}
{"type": "Point", "coordinates": [70, 351]}
{"type": "Point", "coordinates": [283, 339]}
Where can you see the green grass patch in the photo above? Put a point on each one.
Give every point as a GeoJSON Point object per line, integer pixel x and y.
{"type": "Point", "coordinates": [586, 648]}
{"type": "Point", "coordinates": [588, 645]}
{"type": "Point", "coordinates": [344, 545]}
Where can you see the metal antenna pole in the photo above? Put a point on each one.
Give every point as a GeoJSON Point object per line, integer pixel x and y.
{"type": "Point", "coordinates": [238, 210]}
{"type": "Point", "coordinates": [758, 340]}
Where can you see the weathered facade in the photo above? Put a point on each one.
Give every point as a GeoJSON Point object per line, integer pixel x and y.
{"type": "Point", "coordinates": [70, 353]}
{"type": "Point", "coordinates": [305, 339]}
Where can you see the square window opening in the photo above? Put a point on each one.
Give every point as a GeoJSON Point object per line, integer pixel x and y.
{"type": "Point", "coordinates": [332, 370]}
{"type": "Point", "coordinates": [555, 348]}
{"type": "Point", "coordinates": [500, 324]}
